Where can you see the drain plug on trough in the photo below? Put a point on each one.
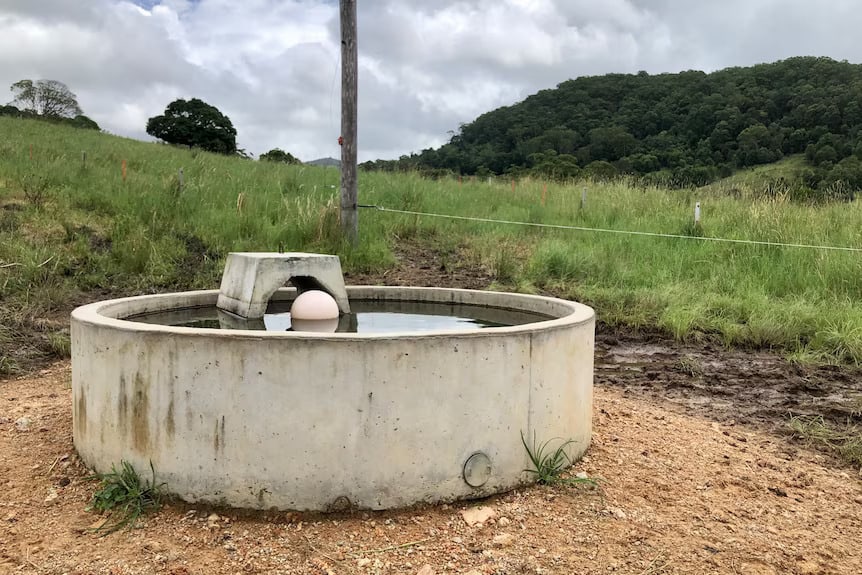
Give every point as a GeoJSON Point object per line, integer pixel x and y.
{"type": "Point", "coordinates": [477, 469]}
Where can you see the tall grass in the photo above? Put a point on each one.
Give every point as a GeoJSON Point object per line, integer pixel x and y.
{"type": "Point", "coordinates": [796, 300]}
{"type": "Point", "coordinates": [71, 228]}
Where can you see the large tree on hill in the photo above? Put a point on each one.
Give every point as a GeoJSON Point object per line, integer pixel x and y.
{"type": "Point", "coordinates": [194, 123]}
{"type": "Point", "coordinates": [48, 98]}
{"type": "Point", "coordinates": [279, 155]}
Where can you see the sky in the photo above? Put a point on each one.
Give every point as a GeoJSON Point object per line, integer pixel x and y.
{"type": "Point", "coordinates": [425, 66]}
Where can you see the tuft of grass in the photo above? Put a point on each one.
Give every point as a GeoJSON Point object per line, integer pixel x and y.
{"type": "Point", "coordinates": [846, 442]}
{"type": "Point", "coordinates": [36, 189]}
{"type": "Point", "coordinates": [692, 229]}
{"type": "Point", "coordinates": [505, 264]}
{"type": "Point", "coordinates": [689, 365]}
{"type": "Point", "coordinates": [60, 344]}
{"type": "Point", "coordinates": [549, 464]}
{"type": "Point", "coordinates": [124, 496]}
{"type": "Point", "coordinates": [8, 366]}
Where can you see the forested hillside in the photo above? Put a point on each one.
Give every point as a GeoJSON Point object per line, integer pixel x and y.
{"type": "Point", "coordinates": [676, 129]}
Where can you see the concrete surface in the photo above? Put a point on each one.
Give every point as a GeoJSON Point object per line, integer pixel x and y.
{"type": "Point", "coordinates": [312, 421]}
{"type": "Point", "coordinates": [250, 279]}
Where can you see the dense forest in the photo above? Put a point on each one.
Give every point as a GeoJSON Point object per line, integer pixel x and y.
{"type": "Point", "coordinates": [680, 129]}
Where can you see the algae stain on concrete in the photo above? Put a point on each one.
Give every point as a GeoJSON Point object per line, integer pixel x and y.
{"type": "Point", "coordinates": [218, 436]}
{"type": "Point", "coordinates": [171, 424]}
{"type": "Point", "coordinates": [80, 414]}
{"type": "Point", "coordinates": [140, 414]}
{"type": "Point", "coordinates": [122, 405]}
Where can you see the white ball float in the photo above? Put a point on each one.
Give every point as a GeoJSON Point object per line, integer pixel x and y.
{"type": "Point", "coordinates": [314, 310]}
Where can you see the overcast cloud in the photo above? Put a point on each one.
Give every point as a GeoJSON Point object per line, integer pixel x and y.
{"type": "Point", "coordinates": [425, 66]}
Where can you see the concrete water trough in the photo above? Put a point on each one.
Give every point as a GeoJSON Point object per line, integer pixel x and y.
{"type": "Point", "coordinates": [329, 421]}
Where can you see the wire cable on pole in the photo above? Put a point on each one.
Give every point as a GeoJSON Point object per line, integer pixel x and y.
{"type": "Point", "coordinates": [608, 231]}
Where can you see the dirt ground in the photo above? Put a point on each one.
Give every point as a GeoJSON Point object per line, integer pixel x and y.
{"type": "Point", "coordinates": [694, 481]}
{"type": "Point", "coordinates": [698, 475]}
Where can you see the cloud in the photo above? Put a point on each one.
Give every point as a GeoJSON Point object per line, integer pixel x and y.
{"type": "Point", "coordinates": [425, 66]}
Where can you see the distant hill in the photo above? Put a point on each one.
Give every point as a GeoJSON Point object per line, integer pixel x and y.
{"type": "Point", "coordinates": [325, 162]}
{"type": "Point", "coordinates": [682, 129]}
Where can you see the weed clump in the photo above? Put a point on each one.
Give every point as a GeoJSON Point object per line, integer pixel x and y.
{"type": "Point", "coordinates": [124, 496]}
{"type": "Point", "coordinates": [846, 443]}
{"type": "Point", "coordinates": [549, 465]}
{"type": "Point", "coordinates": [690, 366]}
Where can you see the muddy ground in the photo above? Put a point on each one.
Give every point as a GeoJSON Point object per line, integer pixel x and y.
{"type": "Point", "coordinates": [698, 474]}
{"type": "Point", "coordinates": [751, 387]}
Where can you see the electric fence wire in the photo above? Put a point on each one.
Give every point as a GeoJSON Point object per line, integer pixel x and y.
{"type": "Point", "coordinates": [610, 231]}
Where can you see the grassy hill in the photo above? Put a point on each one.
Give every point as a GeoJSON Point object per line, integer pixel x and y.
{"type": "Point", "coordinates": [788, 171]}
{"type": "Point", "coordinates": [684, 129]}
{"type": "Point", "coordinates": [72, 232]}
{"type": "Point", "coordinates": [73, 229]}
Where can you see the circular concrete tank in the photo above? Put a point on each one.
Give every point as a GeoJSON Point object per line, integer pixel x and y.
{"type": "Point", "coordinates": [314, 421]}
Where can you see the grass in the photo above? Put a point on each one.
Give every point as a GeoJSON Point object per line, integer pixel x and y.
{"type": "Point", "coordinates": [124, 497]}
{"type": "Point", "coordinates": [845, 441]}
{"type": "Point", "coordinates": [551, 463]}
{"type": "Point", "coordinates": [8, 366]}
{"type": "Point", "coordinates": [766, 179]}
{"type": "Point", "coordinates": [690, 366]}
{"type": "Point", "coordinates": [59, 344]}
{"type": "Point", "coordinates": [71, 233]}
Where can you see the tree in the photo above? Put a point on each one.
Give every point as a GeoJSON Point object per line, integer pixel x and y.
{"type": "Point", "coordinates": [194, 123]}
{"type": "Point", "coordinates": [848, 171]}
{"type": "Point", "coordinates": [48, 98]}
{"type": "Point", "coordinates": [82, 121]}
{"type": "Point", "coordinates": [611, 143]}
{"type": "Point", "coordinates": [756, 146]}
{"type": "Point", "coordinates": [559, 167]}
{"type": "Point", "coordinates": [9, 111]}
{"type": "Point", "coordinates": [279, 155]}
{"type": "Point", "coordinates": [601, 170]}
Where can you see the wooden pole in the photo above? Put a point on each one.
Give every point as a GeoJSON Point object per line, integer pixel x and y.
{"type": "Point", "coordinates": [349, 98]}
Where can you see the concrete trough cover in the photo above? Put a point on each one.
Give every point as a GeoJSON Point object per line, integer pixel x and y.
{"type": "Point", "coordinates": [250, 279]}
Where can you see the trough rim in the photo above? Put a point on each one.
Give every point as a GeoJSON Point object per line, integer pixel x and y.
{"type": "Point", "coordinates": [105, 314]}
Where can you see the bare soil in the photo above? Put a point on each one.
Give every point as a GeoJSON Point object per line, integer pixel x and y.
{"type": "Point", "coordinates": [755, 388]}
{"type": "Point", "coordinates": [419, 265]}
{"type": "Point", "coordinates": [681, 493]}
{"type": "Point", "coordinates": [698, 475]}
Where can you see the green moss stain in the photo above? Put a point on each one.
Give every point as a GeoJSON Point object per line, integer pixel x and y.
{"type": "Point", "coordinates": [170, 424]}
{"type": "Point", "coordinates": [81, 412]}
{"type": "Point", "coordinates": [122, 403]}
{"type": "Point", "coordinates": [218, 436]}
{"type": "Point", "coordinates": [140, 414]}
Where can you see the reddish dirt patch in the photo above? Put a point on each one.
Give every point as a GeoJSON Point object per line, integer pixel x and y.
{"type": "Point", "coordinates": [681, 494]}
